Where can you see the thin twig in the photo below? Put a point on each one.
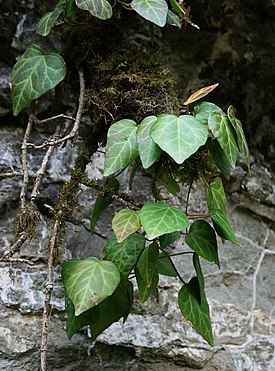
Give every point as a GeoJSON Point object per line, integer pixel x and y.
{"type": "Point", "coordinates": [10, 174]}
{"type": "Point", "coordinates": [14, 247]}
{"type": "Point", "coordinates": [17, 260]}
{"type": "Point", "coordinates": [61, 116]}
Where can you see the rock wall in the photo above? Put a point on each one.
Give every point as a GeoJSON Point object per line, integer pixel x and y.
{"type": "Point", "coordinates": [241, 295]}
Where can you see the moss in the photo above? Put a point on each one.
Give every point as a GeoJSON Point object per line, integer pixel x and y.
{"type": "Point", "coordinates": [26, 221]}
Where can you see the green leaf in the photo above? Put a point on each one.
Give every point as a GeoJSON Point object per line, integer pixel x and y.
{"type": "Point", "coordinates": [100, 317]}
{"type": "Point", "coordinates": [219, 157]}
{"type": "Point", "coordinates": [165, 267]}
{"type": "Point", "coordinates": [47, 22]}
{"type": "Point", "coordinates": [124, 223]}
{"type": "Point", "coordinates": [35, 73]}
{"type": "Point", "coordinates": [173, 19]}
{"type": "Point", "coordinates": [179, 136]}
{"type": "Point", "coordinates": [144, 290]}
{"type": "Point", "coordinates": [195, 312]}
{"type": "Point", "coordinates": [152, 10]}
{"type": "Point", "coordinates": [70, 8]}
{"type": "Point", "coordinates": [242, 143]}
{"type": "Point", "coordinates": [160, 218]}
{"type": "Point", "coordinates": [221, 128]}
{"type": "Point", "coordinates": [121, 146]}
{"type": "Point", "coordinates": [149, 151]}
{"type": "Point", "coordinates": [204, 109]}
{"type": "Point", "coordinates": [197, 266]}
{"type": "Point", "coordinates": [102, 203]}
{"type": "Point", "coordinates": [88, 282]}
{"type": "Point", "coordinates": [125, 254]}
{"type": "Point", "coordinates": [222, 226]}
{"type": "Point", "coordinates": [101, 9]}
{"type": "Point", "coordinates": [166, 239]}
{"type": "Point", "coordinates": [202, 239]}
{"type": "Point", "coordinates": [147, 263]}
{"type": "Point", "coordinates": [215, 196]}
{"type": "Point", "coordinates": [166, 179]}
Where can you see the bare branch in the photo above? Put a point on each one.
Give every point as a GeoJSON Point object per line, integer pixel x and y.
{"type": "Point", "coordinates": [61, 116]}
{"type": "Point", "coordinates": [10, 175]}
{"type": "Point", "coordinates": [14, 247]}
{"type": "Point", "coordinates": [17, 260]}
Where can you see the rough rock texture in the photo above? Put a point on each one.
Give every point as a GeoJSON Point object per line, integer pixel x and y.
{"type": "Point", "coordinates": [234, 47]}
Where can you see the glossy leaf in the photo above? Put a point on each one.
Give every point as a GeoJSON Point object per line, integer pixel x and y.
{"type": "Point", "coordinates": [200, 94]}
{"type": "Point", "coordinates": [70, 8]}
{"type": "Point", "coordinates": [173, 19]}
{"type": "Point", "coordinates": [195, 312]}
{"type": "Point", "coordinates": [179, 136]}
{"type": "Point", "coordinates": [88, 282]}
{"type": "Point", "coordinates": [221, 128]}
{"type": "Point", "coordinates": [101, 9]}
{"type": "Point", "coordinates": [100, 317]}
{"type": "Point", "coordinates": [241, 140]}
{"type": "Point", "coordinates": [215, 196]}
{"type": "Point", "coordinates": [166, 179]}
{"type": "Point", "coordinates": [124, 223]}
{"type": "Point", "coordinates": [165, 267]}
{"type": "Point", "coordinates": [204, 109]}
{"type": "Point", "coordinates": [160, 218]}
{"type": "Point", "coordinates": [166, 239]}
{"type": "Point", "coordinates": [222, 226]}
{"type": "Point", "coordinates": [35, 73]}
{"type": "Point", "coordinates": [102, 203]}
{"type": "Point", "coordinates": [47, 22]}
{"type": "Point", "coordinates": [149, 151]}
{"type": "Point", "coordinates": [202, 239]}
{"type": "Point", "coordinates": [219, 157]}
{"type": "Point", "coordinates": [152, 10]}
{"type": "Point", "coordinates": [121, 146]}
{"type": "Point", "coordinates": [144, 290]}
{"type": "Point", "coordinates": [147, 263]}
{"type": "Point", "coordinates": [125, 254]}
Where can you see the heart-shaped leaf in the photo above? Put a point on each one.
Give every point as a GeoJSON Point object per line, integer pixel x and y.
{"type": "Point", "coordinates": [124, 223]}
{"type": "Point", "coordinates": [221, 128]}
{"type": "Point", "coordinates": [179, 136]}
{"type": "Point", "coordinates": [149, 151]}
{"type": "Point", "coordinates": [152, 10]}
{"type": "Point", "coordinates": [147, 263]}
{"type": "Point", "coordinates": [173, 19]}
{"type": "Point", "coordinates": [215, 196]}
{"type": "Point", "coordinates": [160, 218]}
{"type": "Point", "coordinates": [101, 9]}
{"type": "Point", "coordinates": [204, 109]}
{"type": "Point", "coordinates": [125, 254]}
{"type": "Point", "coordinates": [242, 143]}
{"type": "Point", "coordinates": [223, 227]}
{"type": "Point", "coordinates": [47, 22]}
{"type": "Point", "coordinates": [166, 239]}
{"type": "Point", "coordinates": [121, 146]}
{"type": "Point", "coordinates": [35, 73]}
{"type": "Point", "coordinates": [219, 157]}
{"type": "Point", "coordinates": [194, 311]}
{"type": "Point", "coordinates": [202, 239]}
{"type": "Point", "coordinates": [88, 282]}
{"type": "Point", "coordinates": [200, 94]}
{"type": "Point", "coordinates": [165, 267]}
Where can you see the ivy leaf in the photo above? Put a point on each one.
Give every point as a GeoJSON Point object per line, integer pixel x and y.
{"type": "Point", "coordinates": [221, 128]}
{"type": "Point", "coordinates": [149, 151]}
{"type": "Point", "coordinates": [101, 9]}
{"type": "Point", "coordinates": [179, 136]}
{"type": "Point", "coordinates": [152, 10]}
{"type": "Point", "coordinates": [166, 239]}
{"type": "Point", "coordinates": [102, 203]}
{"type": "Point", "coordinates": [242, 143]}
{"type": "Point", "coordinates": [47, 22]}
{"type": "Point", "coordinates": [195, 312]}
{"type": "Point", "coordinates": [215, 196]}
{"type": "Point", "coordinates": [197, 266]}
{"type": "Point", "coordinates": [124, 223]}
{"type": "Point", "coordinates": [104, 314]}
{"type": "Point", "coordinates": [204, 109]}
{"type": "Point", "coordinates": [88, 282]}
{"type": "Point", "coordinates": [144, 290]}
{"type": "Point", "coordinates": [200, 94]}
{"type": "Point", "coordinates": [147, 263]}
{"type": "Point", "coordinates": [35, 73]}
{"type": "Point", "coordinates": [165, 267]}
{"type": "Point", "coordinates": [222, 226]}
{"type": "Point", "coordinates": [219, 157]}
{"type": "Point", "coordinates": [121, 146]}
{"type": "Point", "coordinates": [70, 8]}
{"type": "Point", "coordinates": [160, 218]}
{"type": "Point", "coordinates": [167, 180]}
{"type": "Point", "coordinates": [173, 19]}
{"type": "Point", "coordinates": [125, 254]}
{"type": "Point", "coordinates": [202, 239]}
